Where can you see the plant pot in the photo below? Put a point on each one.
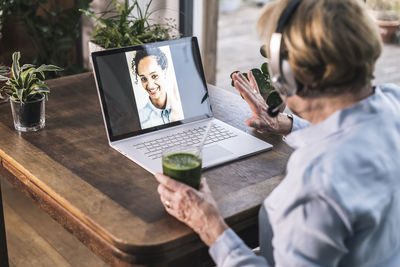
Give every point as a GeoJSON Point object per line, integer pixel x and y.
{"type": "Point", "coordinates": [387, 29]}
{"type": "Point", "coordinates": [28, 116]}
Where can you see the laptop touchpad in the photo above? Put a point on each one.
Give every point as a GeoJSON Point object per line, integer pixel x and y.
{"type": "Point", "coordinates": [213, 152]}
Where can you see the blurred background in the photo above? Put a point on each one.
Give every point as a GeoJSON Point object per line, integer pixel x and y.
{"type": "Point", "coordinates": [56, 32]}
{"type": "Point", "coordinates": [238, 43]}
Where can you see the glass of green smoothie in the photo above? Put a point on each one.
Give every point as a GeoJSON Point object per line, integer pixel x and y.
{"type": "Point", "coordinates": [183, 163]}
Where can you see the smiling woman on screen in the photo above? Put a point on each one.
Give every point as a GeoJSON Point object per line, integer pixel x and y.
{"type": "Point", "coordinates": [163, 105]}
{"type": "Point", "coordinates": [339, 203]}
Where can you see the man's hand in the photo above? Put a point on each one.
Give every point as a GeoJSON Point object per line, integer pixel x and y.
{"type": "Point", "coordinates": [195, 208]}
{"type": "Point", "coordinates": [259, 118]}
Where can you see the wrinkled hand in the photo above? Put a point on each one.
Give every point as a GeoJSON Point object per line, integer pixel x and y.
{"type": "Point", "coordinates": [195, 208]}
{"type": "Point", "coordinates": [259, 119]}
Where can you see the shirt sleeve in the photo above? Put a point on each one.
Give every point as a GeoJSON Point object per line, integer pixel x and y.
{"type": "Point", "coordinates": [299, 123]}
{"type": "Point", "coordinates": [230, 251]}
{"type": "Point", "coordinates": [311, 234]}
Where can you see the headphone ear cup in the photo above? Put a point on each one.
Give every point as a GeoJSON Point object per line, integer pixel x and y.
{"type": "Point", "coordinates": [290, 84]}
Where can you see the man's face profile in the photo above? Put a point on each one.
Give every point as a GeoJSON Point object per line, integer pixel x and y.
{"type": "Point", "coordinates": [152, 77]}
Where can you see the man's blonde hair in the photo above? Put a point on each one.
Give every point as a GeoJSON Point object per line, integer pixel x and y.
{"type": "Point", "coordinates": [332, 45]}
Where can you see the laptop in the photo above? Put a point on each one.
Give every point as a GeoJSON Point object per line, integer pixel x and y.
{"type": "Point", "coordinates": [154, 96]}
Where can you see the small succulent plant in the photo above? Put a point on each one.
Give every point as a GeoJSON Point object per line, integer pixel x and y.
{"type": "Point", "coordinates": [27, 82]}
{"type": "Point", "coordinates": [263, 79]}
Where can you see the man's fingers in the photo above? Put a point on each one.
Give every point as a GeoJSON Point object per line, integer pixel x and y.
{"type": "Point", "coordinates": [169, 183]}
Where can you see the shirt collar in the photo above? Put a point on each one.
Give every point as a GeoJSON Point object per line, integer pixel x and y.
{"type": "Point", "coordinates": [158, 110]}
{"type": "Point", "coordinates": [337, 122]}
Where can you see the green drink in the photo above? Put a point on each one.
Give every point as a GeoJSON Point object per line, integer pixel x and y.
{"type": "Point", "coordinates": [183, 165]}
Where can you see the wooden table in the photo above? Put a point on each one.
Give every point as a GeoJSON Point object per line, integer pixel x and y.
{"type": "Point", "coordinates": [3, 241]}
{"type": "Point", "coordinates": [111, 204]}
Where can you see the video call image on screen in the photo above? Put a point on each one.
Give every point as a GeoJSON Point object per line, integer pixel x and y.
{"type": "Point", "coordinates": [155, 87]}
{"type": "Point", "coordinates": [151, 87]}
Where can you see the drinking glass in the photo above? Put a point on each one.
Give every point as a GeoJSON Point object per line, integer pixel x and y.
{"type": "Point", "coordinates": [183, 163]}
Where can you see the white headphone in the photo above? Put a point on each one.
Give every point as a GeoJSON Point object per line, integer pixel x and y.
{"type": "Point", "coordinates": [282, 76]}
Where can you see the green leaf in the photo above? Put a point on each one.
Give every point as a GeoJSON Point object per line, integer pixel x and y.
{"type": "Point", "coordinates": [13, 82]}
{"type": "Point", "coordinates": [27, 66]}
{"type": "Point", "coordinates": [31, 82]}
{"type": "Point", "coordinates": [39, 89]}
{"type": "Point", "coordinates": [40, 75]}
{"type": "Point", "coordinates": [3, 78]}
{"type": "Point", "coordinates": [274, 99]}
{"type": "Point", "coordinates": [20, 82]}
{"type": "Point", "coordinates": [5, 89]}
{"type": "Point", "coordinates": [3, 69]}
{"type": "Point", "coordinates": [264, 69]}
{"type": "Point", "coordinates": [48, 68]}
{"type": "Point", "coordinates": [262, 82]}
{"type": "Point", "coordinates": [19, 92]}
{"type": "Point", "coordinates": [263, 51]}
{"type": "Point", "coordinates": [1, 95]}
{"type": "Point", "coordinates": [41, 86]}
{"type": "Point", "coordinates": [26, 76]}
{"type": "Point", "coordinates": [15, 65]}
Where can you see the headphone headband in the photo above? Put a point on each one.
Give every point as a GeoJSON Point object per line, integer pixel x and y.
{"type": "Point", "coordinates": [282, 76]}
{"type": "Point", "coordinates": [286, 15]}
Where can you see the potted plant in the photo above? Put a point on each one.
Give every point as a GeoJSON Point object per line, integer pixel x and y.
{"type": "Point", "coordinates": [262, 77]}
{"type": "Point", "coordinates": [49, 28]}
{"type": "Point", "coordinates": [388, 23]}
{"type": "Point", "coordinates": [27, 92]}
{"type": "Point", "coordinates": [121, 26]}
{"type": "Point", "coordinates": [6, 72]}
{"type": "Point", "coordinates": [387, 17]}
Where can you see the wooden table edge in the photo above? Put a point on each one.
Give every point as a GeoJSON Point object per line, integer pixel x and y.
{"type": "Point", "coordinates": [119, 252]}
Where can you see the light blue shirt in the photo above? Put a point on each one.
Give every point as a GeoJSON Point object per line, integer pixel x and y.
{"type": "Point", "coordinates": [151, 116]}
{"type": "Point", "coordinates": [339, 204]}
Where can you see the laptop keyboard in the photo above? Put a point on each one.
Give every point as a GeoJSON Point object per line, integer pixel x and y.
{"type": "Point", "coordinates": [153, 148]}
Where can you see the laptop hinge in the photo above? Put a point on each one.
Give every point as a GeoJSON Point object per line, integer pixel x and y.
{"type": "Point", "coordinates": [113, 143]}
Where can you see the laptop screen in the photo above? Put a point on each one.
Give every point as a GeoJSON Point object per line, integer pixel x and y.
{"type": "Point", "coordinates": [152, 86]}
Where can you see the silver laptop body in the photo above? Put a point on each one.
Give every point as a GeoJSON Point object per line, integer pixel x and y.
{"type": "Point", "coordinates": [143, 145]}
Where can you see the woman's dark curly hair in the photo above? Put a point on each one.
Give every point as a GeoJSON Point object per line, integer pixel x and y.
{"type": "Point", "coordinates": [160, 56]}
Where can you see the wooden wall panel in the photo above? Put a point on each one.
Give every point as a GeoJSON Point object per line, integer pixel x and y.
{"type": "Point", "coordinates": [209, 43]}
